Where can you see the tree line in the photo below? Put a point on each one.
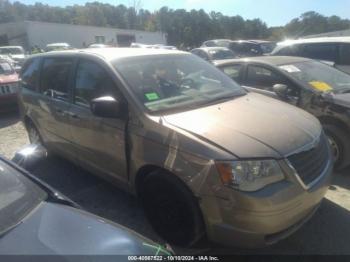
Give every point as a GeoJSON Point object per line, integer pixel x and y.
{"type": "Point", "coordinates": [183, 28]}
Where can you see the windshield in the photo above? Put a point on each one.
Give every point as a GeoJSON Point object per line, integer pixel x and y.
{"type": "Point", "coordinates": [319, 76]}
{"type": "Point", "coordinates": [18, 196]}
{"type": "Point", "coordinates": [221, 54]}
{"type": "Point", "coordinates": [6, 69]}
{"type": "Point", "coordinates": [11, 51]}
{"type": "Point", "coordinates": [173, 82]}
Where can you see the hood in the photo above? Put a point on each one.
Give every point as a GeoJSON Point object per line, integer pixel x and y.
{"type": "Point", "coordinates": [54, 229]}
{"type": "Point", "coordinates": [4, 79]}
{"type": "Point", "coordinates": [342, 99]}
{"type": "Point", "coordinates": [251, 126]}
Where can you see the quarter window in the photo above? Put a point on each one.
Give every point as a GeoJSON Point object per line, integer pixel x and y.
{"type": "Point", "coordinates": [91, 82]}
{"type": "Point", "coordinates": [30, 75]}
{"type": "Point", "coordinates": [55, 77]}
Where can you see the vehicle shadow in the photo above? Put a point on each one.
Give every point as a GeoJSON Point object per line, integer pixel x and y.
{"type": "Point", "coordinates": [8, 119]}
{"type": "Point", "coordinates": [328, 232]}
{"type": "Point", "coordinates": [94, 194]}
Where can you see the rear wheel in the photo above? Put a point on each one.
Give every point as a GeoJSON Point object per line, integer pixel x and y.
{"type": "Point", "coordinates": [340, 145]}
{"type": "Point", "coordinates": [172, 209]}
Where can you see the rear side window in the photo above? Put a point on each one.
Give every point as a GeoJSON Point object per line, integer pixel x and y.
{"type": "Point", "coordinates": [55, 77]}
{"type": "Point", "coordinates": [344, 54]}
{"type": "Point", "coordinates": [92, 81]}
{"type": "Point", "coordinates": [263, 78]}
{"type": "Point", "coordinates": [233, 71]}
{"type": "Point", "coordinates": [30, 75]}
{"type": "Point", "coordinates": [326, 52]}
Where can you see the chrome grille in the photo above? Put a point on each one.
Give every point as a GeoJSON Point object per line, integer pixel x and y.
{"type": "Point", "coordinates": [311, 164]}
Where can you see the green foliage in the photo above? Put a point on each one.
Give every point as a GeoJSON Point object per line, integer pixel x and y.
{"type": "Point", "coordinates": [183, 28]}
{"type": "Point", "coordinates": [311, 23]}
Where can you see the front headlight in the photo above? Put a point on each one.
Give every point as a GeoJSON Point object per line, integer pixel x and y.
{"type": "Point", "coordinates": [249, 175]}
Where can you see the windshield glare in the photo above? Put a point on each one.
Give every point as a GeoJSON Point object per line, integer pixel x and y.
{"type": "Point", "coordinates": [173, 82]}
{"type": "Point", "coordinates": [221, 54]}
{"type": "Point", "coordinates": [318, 76]}
{"type": "Point", "coordinates": [18, 196]}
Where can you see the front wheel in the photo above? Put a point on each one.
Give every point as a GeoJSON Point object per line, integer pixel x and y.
{"type": "Point", "coordinates": [172, 209]}
{"type": "Point", "coordinates": [340, 145]}
{"type": "Point", "coordinates": [33, 135]}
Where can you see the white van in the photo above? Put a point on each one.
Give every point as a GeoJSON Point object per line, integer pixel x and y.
{"type": "Point", "coordinates": [335, 50]}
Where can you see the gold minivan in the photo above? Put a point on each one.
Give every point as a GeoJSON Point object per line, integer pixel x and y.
{"type": "Point", "coordinates": [205, 156]}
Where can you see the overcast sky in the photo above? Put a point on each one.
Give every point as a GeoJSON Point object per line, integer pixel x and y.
{"type": "Point", "coordinates": [273, 12]}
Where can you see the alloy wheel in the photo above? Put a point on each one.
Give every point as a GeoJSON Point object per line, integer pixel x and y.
{"type": "Point", "coordinates": [34, 136]}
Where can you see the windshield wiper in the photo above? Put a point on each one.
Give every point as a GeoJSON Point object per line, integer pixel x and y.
{"type": "Point", "coordinates": [226, 97]}
{"type": "Point", "coordinates": [221, 99]}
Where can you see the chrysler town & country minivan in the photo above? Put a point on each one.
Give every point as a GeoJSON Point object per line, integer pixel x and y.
{"type": "Point", "coordinates": [206, 157]}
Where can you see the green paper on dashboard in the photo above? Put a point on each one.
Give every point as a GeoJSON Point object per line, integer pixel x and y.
{"type": "Point", "coordinates": [152, 96]}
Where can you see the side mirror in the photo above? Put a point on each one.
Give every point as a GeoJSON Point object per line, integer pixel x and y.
{"type": "Point", "coordinates": [107, 107]}
{"type": "Point", "coordinates": [281, 90]}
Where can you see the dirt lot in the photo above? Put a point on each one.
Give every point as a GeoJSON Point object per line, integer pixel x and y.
{"type": "Point", "coordinates": [328, 232]}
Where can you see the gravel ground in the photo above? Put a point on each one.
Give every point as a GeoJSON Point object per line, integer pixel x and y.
{"type": "Point", "coordinates": [12, 134]}
{"type": "Point", "coordinates": [328, 232]}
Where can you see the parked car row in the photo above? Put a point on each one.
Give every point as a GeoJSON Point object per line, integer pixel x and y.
{"type": "Point", "coordinates": [214, 54]}
{"type": "Point", "coordinates": [206, 157]}
{"type": "Point", "coordinates": [315, 87]}
{"type": "Point", "coordinates": [8, 87]}
{"type": "Point", "coordinates": [15, 53]}
{"type": "Point", "coordinates": [158, 46]}
{"type": "Point", "coordinates": [333, 50]}
{"type": "Point", "coordinates": [243, 48]}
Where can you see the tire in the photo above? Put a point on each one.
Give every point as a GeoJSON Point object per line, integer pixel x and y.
{"type": "Point", "coordinates": [172, 209]}
{"type": "Point", "coordinates": [340, 145]}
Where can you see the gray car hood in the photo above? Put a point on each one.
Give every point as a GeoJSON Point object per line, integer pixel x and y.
{"type": "Point", "coordinates": [54, 229]}
{"type": "Point", "coordinates": [251, 126]}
